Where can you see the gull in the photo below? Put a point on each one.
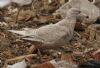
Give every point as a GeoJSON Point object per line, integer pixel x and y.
{"type": "Point", "coordinates": [53, 35]}
{"type": "Point", "coordinates": [21, 3]}
{"type": "Point", "coordinates": [97, 3]}
{"type": "Point", "coordinates": [4, 3]}
{"type": "Point", "coordinates": [85, 6]}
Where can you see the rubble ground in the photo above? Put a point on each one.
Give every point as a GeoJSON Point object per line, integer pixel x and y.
{"type": "Point", "coordinates": [84, 46]}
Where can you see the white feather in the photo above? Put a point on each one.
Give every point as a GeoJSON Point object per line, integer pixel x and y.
{"type": "Point", "coordinates": [23, 33]}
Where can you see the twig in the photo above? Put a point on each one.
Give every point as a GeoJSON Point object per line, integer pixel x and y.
{"type": "Point", "coordinates": [21, 57]}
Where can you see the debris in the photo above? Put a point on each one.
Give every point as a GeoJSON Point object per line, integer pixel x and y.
{"type": "Point", "coordinates": [21, 57]}
{"type": "Point", "coordinates": [3, 24]}
{"type": "Point", "coordinates": [21, 3]}
{"type": "Point", "coordinates": [67, 57]}
{"type": "Point", "coordinates": [62, 2]}
{"type": "Point", "coordinates": [75, 42]}
{"type": "Point", "coordinates": [63, 64]}
{"type": "Point", "coordinates": [49, 1]}
{"type": "Point", "coordinates": [55, 64]}
{"type": "Point", "coordinates": [88, 50]}
{"type": "Point", "coordinates": [90, 64]}
{"type": "Point", "coordinates": [25, 15]}
{"type": "Point", "coordinates": [96, 54]}
{"type": "Point", "coordinates": [21, 64]}
{"type": "Point", "coordinates": [94, 31]}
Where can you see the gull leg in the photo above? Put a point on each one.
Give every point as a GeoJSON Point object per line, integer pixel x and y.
{"type": "Point", "coordinates": [39, 54]}
{"type": "Point", "coordinates": [31, 5]}
{"type": "Point", "coordinates": [19, 9]}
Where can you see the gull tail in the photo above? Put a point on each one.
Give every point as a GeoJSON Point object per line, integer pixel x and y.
{"type": "Point", "coordinates": [23, 33]}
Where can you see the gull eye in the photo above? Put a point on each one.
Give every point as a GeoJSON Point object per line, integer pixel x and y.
{"type": "Point", "coordinates": [87, 16]}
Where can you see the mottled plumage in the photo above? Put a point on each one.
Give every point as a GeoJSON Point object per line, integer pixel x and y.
{"type": "Point", "coordinates": [53, 34]}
